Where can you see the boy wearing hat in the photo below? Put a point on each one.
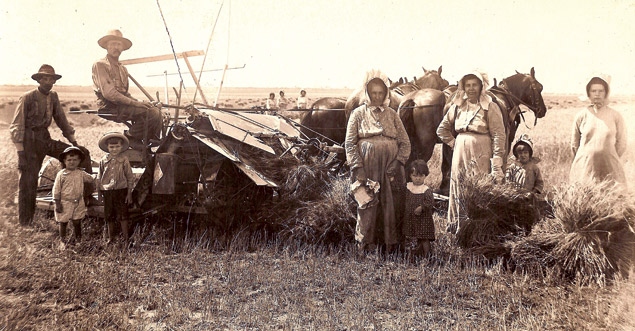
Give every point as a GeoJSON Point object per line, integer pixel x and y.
{"type": "Point", "coordinates": [116, 182]}
{"type": "Point", "coordinates": [110, 83]}
{"type": "Point", "coordinates": [29, 132]}
{"type": "Point", "coordinates": [523, 169]}
{"type": "Point", "coordinates": [68, 191]}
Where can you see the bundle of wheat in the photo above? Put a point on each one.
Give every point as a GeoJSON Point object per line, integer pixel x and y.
{"type": "Point", "coordinates": [532, 254]}
{"type": "Point", "coordinates": [590, 239]}
{"type": "Point", "coordinates": [328, 219]}
{"type": "Point", "coordinates": [597, 220]}
{"type": "Point", "coordinates": [313, 205]}
{"type": "Point", "coordinates": [493, 211]}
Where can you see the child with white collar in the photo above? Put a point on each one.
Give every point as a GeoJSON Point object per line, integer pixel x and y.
{"type": "Point", "coordinates": [417, 220]}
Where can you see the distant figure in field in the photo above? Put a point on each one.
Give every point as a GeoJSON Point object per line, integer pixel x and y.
{"type": "Point", "coordinates": [271, 105]}
{"type": "Point", "coordinates": [283, 102]}
{"type": "Point", "coordinates": [523, 170]}
{"type": "Point", "coordinates": [29, 132]}
{"type": "Point", "coordinates": [303, 101]}
{"type": "Point", "coordinates": [110, 82]}
{"type": "Point", "coordinates": [598, 137]}
{"type": "Point", "coordinates": [68, 191]}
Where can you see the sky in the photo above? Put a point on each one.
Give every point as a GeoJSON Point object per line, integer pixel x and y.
{"type": "Point", "coordinates": [325, 43]}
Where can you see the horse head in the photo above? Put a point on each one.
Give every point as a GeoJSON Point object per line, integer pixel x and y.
{"type": "Point", "coordinates": [528, 90]}
{"type": "Point", "coordinates": [432, 79]}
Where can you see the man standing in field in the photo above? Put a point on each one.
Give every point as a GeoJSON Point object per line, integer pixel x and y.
{"type": "Point", "coordinates": [29, 132]}
{"type": "Point", "coordinates": [110, 82]}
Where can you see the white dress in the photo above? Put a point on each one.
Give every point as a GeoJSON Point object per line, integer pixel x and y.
{"type": "Point", "coordinates": [598, 141]}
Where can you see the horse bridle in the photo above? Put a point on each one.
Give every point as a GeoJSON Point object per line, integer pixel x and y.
{"type": "Point", "coordinates": [534, 96]}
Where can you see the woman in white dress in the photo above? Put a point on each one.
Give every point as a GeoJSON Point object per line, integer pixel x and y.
{"type": "Point", "coordinates": [598, 138]}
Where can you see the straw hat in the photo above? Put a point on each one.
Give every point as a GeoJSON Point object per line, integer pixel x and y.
{"type": "Point", "coordinates": [114, 35]}
{"type": "Point", "coordinates": [103, 141]}
{"type": "Point", "coordinates": [69, 150]}
{"type": "Point", "coordinates": [45, 70]}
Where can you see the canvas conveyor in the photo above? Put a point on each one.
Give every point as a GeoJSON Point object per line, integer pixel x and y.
{"type": "Point", "coordinates": [200, 166]}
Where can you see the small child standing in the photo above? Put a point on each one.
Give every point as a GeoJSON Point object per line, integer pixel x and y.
{"type": "Point", "coordinates": [523, 170]}
{"type": "Point", "coordinates": [417, 219]}
{"type": "Point", "coordinates": [68, 192]}
{"type": "Point", "coordinates": [115, 182]}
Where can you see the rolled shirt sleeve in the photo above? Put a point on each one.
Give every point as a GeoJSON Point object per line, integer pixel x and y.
{"type": "Point", "coordinates": [106, 86]}
{"type": "Point", "coordinates": [60, 119]}
{"type": "Point", "coordinates": [403, 154]}
{"type": "Point", "coordinates": [16, 128]}
{"type": "Point", "coordinates": [350, 143]}
{"type": "Point", "coordinates": [444, 131]}
{"type": "Point", "coordinates": [496, 130]}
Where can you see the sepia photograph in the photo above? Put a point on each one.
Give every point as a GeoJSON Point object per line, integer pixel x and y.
{"type": "Point", "coordinates": [317, 165]}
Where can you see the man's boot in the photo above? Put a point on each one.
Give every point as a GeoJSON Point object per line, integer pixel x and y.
{"type": "Point", "coordinates": [77, 230]}
{"type": "Point", "coordinates": [63, 231]}
{"type": "Point", "coordinates": [111, 232]}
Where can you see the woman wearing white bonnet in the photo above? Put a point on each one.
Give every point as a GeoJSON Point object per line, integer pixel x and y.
{"type": "Point", "coordinates": [377, 147]}
{"type": "Point", "coordinates": [598, 137]}
{"type": "Point", "coordinates": [473, 126]}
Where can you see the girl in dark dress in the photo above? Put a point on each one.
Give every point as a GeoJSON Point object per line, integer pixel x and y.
{"type": "Point", "coordinates": [417, 223]}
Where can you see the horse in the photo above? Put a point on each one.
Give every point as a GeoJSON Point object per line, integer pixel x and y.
{"type": "Point", "coordinates": [430, 79]}
{"type": "Point", "coordinates": [332, 123]}
{"type": "Point", "coordinates": [422, 111]}
{"type": "Point", "coordinates": [326, 118]}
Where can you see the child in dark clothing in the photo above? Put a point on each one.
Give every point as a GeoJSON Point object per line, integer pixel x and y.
{"type": "Point", "coordinates": [417, 219]}
{"type": "Point", "coordinates": [116, 182]}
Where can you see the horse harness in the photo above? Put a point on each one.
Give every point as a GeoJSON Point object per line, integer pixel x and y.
{"type": "Point", "coordinates": [510, 98]}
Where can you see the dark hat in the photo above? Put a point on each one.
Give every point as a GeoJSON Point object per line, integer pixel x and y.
{"type": "Point", "coordinates": [71, 149]}
{"type": "Point", "coordinates": [114, 35]}
{"type": "Point", "coordinates": [45, 70]}
{"type": "Point", "coordinates": [103, 141]}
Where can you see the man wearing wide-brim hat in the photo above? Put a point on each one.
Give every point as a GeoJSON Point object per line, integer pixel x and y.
{"type": "Point", "coordinates": [110, 83]}
{"type": "Point", "coordinates": [29, 132]}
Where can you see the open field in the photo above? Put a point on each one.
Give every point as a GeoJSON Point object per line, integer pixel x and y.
{"type": "Point", "coordinates": [171, 282]}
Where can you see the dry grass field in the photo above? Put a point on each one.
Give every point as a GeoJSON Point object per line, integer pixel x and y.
{"type": "Point", "coordinates": [173, 281]}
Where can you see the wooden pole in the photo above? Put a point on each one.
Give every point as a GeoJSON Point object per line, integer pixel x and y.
{"type": "Point", "coordinates": [178, 102]}
{"type": "Point", "coordinates": [161, 57]}
{"type": "Point", "coordinates": [207, 49]}
{"type": "Point", "coordinates": [198, 86]}
{"type": "Point", "coordinates": [141, 87]}
{"type": "Point", "coordinates": [167, 96]}
{"type": "Point", "coordinates": [221, 86]}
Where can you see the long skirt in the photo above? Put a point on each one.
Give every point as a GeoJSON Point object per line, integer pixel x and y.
{"type": "Point", "coordinates": [472, 154]}
{"type": "Point", "coordinates": [377, 153]}
{"type": "Point", "coordinates": [597, 164]}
